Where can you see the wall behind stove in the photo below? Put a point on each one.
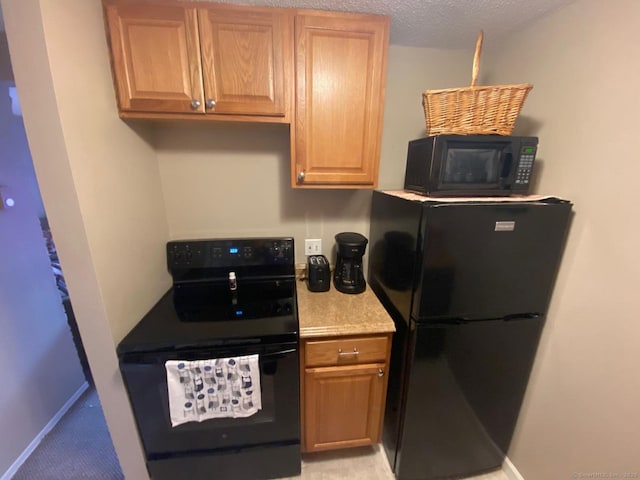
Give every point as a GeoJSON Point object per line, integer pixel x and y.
{"type": "Point", "coordinates": [233, 180]}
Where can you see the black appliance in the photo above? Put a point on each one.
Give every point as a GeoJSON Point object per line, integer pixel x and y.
{"type": "Point", "coordinates": [468, 285]}
{"type": "Point", "coordinates": [469, 165]}
{"type": "Point", "coordinates": [229, 298]}
{"type": "Point", "coordinates": [348, 276]}
{"type": "Point", "coordinates": [318, 273]}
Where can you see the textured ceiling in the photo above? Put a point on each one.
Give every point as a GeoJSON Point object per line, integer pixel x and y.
{"type": "Point", "coordinates": [433, 23]}
{"type": "Point", "coordinates": [437, 23]}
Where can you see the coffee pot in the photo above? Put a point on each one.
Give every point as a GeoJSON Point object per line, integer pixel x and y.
{"type": "Point", "coordinates": [348, 276]}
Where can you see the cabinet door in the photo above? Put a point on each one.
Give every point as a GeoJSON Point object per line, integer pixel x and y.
{"type": "Point", "coordinates": [343, 406]}
{"type": "Point", "coordinates": [340, 77]}
{"type": "Point", "coordinates": [156, 58]}
{"type": "Point", "coordinates": [243, 58]}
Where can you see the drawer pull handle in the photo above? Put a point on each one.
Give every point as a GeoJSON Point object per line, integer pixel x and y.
{"type": "Point", "coordinates": [380, 372]}
{"type": "Point", "coordinates": [346, 354]}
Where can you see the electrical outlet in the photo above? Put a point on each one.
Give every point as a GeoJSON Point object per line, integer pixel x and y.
{"type": "Point", "coordinates": [313, 246]}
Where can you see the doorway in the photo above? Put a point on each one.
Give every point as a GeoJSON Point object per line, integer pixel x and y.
{"type": "Point", "coordinates": [40, 338]}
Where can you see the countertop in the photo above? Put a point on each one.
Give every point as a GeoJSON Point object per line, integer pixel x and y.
{"type": "Point", "coordinates": [333, 313]}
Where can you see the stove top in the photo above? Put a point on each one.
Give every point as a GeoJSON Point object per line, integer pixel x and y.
{"type": "Point", "coordinates": [225, 292]}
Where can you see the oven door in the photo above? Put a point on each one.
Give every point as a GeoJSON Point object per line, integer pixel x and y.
{"type": "Point", "coordinates": [278, 422]}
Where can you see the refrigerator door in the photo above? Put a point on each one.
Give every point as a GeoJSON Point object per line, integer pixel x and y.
{"type": "Point", "coordinates": [464, 389]}
{"type": "Point", "coordinates": [488, 260]}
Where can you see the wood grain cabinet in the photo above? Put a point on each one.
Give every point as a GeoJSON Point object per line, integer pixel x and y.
{"type": "Point", "coordinates": [322, 72]}
{"type": "Point", "coordinates": [340, 81]}
{"type": "Point", "coordinates": [172, 60]}
{"type": "Point", "coordinates": [344, 383]}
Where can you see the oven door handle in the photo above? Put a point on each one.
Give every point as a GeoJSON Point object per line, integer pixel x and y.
{"type": "Point", "coordinates": [159, 358]}
{"type": "Point", "coordinates": [279, 353]}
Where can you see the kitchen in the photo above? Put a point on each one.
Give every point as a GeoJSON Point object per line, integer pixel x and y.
{"type": "Point", "coordinates": [119, 191]}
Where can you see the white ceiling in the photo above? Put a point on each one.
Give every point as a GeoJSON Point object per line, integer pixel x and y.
{"type": "Point", "coordinates": [433, 23]}
{"type": "Point", "coordinates": [436, 23]}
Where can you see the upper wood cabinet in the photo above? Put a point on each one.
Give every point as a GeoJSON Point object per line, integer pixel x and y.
{"type": "Point", "coordinates": [340, 80]}
{"type": "Point", "coordinates": [156, 57]}
{"type": "Point", "coordinates": [243, 58]}
{"type": "Point", "coordinates": [220, 60]}
{"type": "Point", "coordinates": [323, 72]}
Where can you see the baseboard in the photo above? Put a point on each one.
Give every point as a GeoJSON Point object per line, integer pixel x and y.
{"type": "Point", "coordinates": [510, 470]}
{"type": "Point", "coordinates": [48, 427]}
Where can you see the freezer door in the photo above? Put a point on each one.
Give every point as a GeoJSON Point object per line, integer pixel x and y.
{"type": "Point", "coordinates": [393, 250]}
{"type": "Point", "coordinates": [488, 260]}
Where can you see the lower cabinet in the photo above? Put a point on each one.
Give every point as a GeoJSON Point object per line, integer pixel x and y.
{"type": "Point", "coordinates": [344, 385]}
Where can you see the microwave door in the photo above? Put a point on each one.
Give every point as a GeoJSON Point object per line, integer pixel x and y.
{"type": "Point", "coordinates": [468, 169]}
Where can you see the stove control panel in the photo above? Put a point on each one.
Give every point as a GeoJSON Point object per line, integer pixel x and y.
{"type": "Point", "coordinates": [230, 253]}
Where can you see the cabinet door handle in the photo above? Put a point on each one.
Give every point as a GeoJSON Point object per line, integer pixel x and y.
{"type": "Point", "coordinates": [301, 177]}
{"type": "Point", "coordinates": [380, 372]}
{"type": "Point", "coordinates": [346, 354]}
{"type": "Point", "coordinates": [195, 104]}
{"type": "Point", "coordinates": [210, 103]}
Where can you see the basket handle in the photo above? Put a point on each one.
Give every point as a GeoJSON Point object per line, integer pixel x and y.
{"type": "Point", "coordinates": [476, 60]}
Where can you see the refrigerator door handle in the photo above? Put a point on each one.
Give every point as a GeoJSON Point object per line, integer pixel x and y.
{"type": "Point", "coordinates": [450, 321]}
{"type": "Point", "coordinates": [466, 320]}
{"type": "Point", "coordinates": [522, 316]}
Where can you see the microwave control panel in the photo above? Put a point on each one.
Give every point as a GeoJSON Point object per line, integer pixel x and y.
{"type": "Point", "coordinates": [525, 165]}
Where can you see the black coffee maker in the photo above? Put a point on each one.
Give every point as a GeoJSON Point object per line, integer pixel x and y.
{"type": "Point", "coordinates": [348, 276]}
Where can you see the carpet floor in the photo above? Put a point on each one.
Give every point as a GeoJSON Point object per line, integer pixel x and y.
{"type": "Point", "coordinates": [77, 448]}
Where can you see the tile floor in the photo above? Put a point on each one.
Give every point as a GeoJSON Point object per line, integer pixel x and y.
{"type": "Point", "coordinates": [367, 463]}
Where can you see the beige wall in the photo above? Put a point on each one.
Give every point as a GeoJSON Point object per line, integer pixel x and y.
{"type": "Point", "coordinates": [100, 185]}
{"type": "Point", "coordinates": [411, 71]}
{"type": "Point", "coordinates": [581, 412]}
{"type": "Point", "coordinates": [233, 180]}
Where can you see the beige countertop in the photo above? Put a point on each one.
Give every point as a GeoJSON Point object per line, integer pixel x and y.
{"type": "Point", "coordinates": [333, 313]}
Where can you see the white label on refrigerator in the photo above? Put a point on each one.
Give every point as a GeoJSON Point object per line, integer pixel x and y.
{"type": "Point", "coordinates": [505, 226]}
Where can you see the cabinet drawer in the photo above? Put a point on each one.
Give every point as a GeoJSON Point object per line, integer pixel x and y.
{"type": "Point", "coordinates": [346, 350]}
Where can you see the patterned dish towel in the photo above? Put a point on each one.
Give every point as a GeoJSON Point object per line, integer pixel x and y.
{"type": "Point", "coordinates": [215, 388]}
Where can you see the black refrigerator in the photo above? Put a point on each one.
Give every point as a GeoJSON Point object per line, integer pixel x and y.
{"type": "Point", "coordinates": [468, 284]}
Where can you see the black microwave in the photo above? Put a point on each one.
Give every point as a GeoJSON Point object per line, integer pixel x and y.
{"type": "Point", "coordinates": [470, 165]}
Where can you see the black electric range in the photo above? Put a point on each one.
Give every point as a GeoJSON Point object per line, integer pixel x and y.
{"type": "Point", "coordinates": [230, 297]}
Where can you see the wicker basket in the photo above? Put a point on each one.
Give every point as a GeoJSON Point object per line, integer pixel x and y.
{"type": "Point", "coordinates": [474, 110]}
